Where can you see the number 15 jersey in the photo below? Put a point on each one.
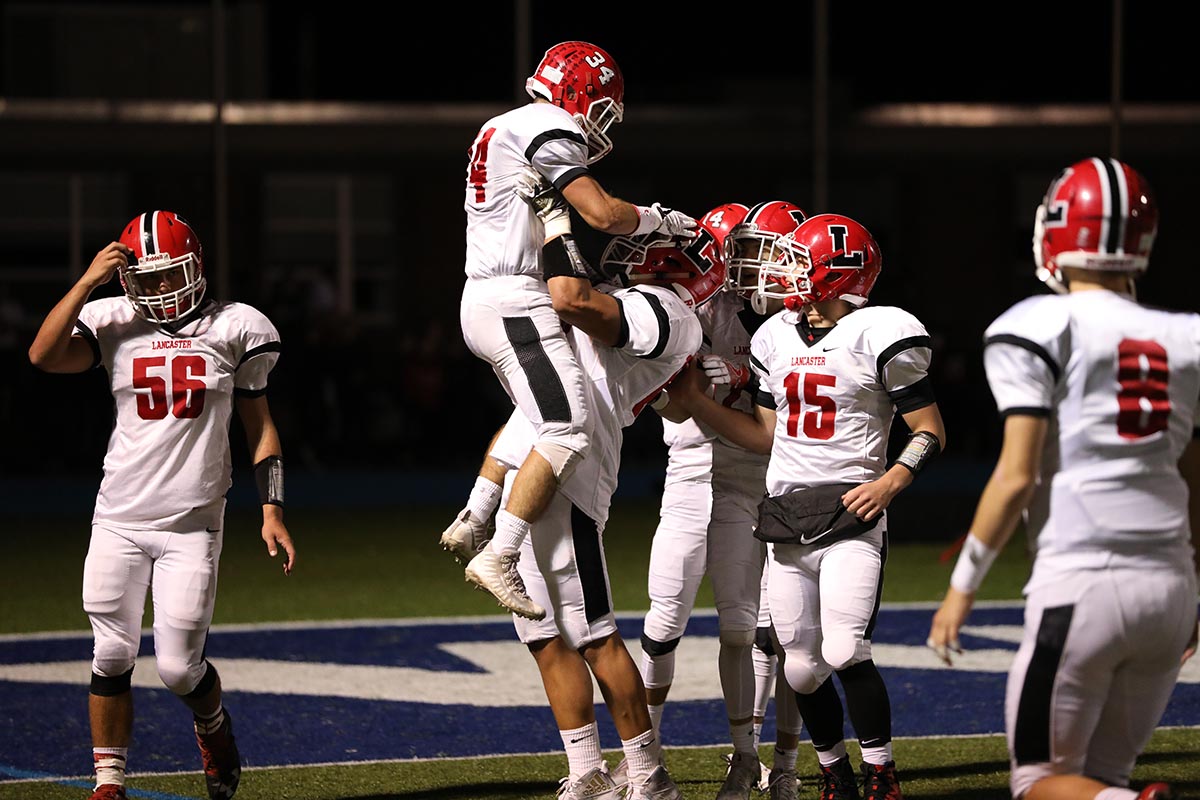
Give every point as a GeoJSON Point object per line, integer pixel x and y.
{"type": "Point", "coordinates": [168, 463]}
{"type": "Point", "coordinates": [835, 395]}
{"type": "Point", "coordinates": [1119, 383]}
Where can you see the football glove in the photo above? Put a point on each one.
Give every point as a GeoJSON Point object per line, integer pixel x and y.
{"type": "Point", "coordinates": [655, 217]}
{"type": "Point", "coordinates": [545, 201]}
{"type": "Point", "coordinates": [721, 371]}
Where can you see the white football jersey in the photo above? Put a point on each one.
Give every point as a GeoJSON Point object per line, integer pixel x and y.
{"type": "Point", "coordinates": [690, 443]}
{"type": "Point", "coordinates": [835, 398]}
{"type": "Point", "coordinates": [504, 236]}
{"type": "Point", "coordinates": [660, 333]}
{"type": "Point", "coordinates": [168, 455]}
{"type": "Point", "coordinates": [1119, 383]}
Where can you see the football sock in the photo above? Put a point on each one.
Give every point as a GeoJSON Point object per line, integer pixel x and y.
{"type": "Point", "coordinates": [583, 749]}
{"type": "Point", "coordinates": [643, 754]}
{"type": "Point", "coordinates": [758, 726]}
{"type": "Point", "coordinates": [833, 755]}
{"type": "Point", "coordinates": [510, 532]}
{"type": "Point", "coordinates": [877, 755]}
{"type": "Point", "coordinates": [742, 737]}
{"type": "Point", "coordinates": [485, 496]}
{"type": "Point", "coordinates": [210, 724]}
{"type": "Point", "coordinates": [785, 759]}
{"type": "Point", "coordinates": [656, 715]}
{"type": "Point", "coordinates": [109, 765]}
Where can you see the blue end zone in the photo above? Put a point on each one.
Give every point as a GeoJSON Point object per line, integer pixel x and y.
{"type": "Point", "coordinates": [46, 729]}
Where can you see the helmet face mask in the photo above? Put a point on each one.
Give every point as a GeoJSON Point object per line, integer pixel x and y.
{"type": "Point", "coordinates": [584, 80]}
{"type": "Point", "coordinates": [164, 279]}
{"type": "Point", "coordinates": [694, 270]}
{"type": "Point", "coordinates": [762, 263]}
{"type": "Point", "coordinates": [1098, 214]}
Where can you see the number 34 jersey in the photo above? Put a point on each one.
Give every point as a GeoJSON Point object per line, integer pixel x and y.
{"type": "Point", "coordinates": [1119, 383]}
{"type": "Point", "coordinates": [168, 462]}
{"type": "Point", "coordinates": [835, 397]}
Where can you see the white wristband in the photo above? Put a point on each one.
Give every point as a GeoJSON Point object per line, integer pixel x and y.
{"type": "Point", "coordinates": [649, 218]}
{"type": "Point", "coordinates": [662, 401]}
{"type": "Point", "coordinates": [973, 564]}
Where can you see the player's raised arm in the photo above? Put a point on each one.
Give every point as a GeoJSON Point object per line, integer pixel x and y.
{"type": "Point", "coordinates": [55, 349]}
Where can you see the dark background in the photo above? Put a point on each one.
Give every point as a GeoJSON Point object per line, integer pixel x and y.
{"type": "Point", "coordinates": [343, 142]}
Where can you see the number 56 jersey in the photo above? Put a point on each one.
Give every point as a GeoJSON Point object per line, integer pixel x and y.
{"type": "Point", "coordinates": [1119, 383]}
{"type": "Point", "coordinates": [168, 463]}
{"type": "Point", "coordinates": [835, 395]}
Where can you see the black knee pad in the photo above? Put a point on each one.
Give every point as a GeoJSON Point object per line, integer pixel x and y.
{"type": "Point", "coordinates": [104, 686]}
{"type": "Point", "coordinates": [653, 648]}
{"type": "Point", "coordinates": [763, 641]}
{"type": "Point", "coordinates": [206, 683]}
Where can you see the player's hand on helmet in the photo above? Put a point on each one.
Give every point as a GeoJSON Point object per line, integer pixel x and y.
{"type": "Point", "coordinates": [674, 223]}
{"type": "Point", "coordinates": [114, 256]}
{"type": "Point", "coordinates": [721, 371]}
{"type": "Point", "coordinates": [545, 200]}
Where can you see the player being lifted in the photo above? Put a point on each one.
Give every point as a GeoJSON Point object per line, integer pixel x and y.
{"type": "Point", "coordinates": [178, 364]}
{"type": "Point", "coordinates": [514, 302]}
{"type": "Point", "coordinates": [832, 373]}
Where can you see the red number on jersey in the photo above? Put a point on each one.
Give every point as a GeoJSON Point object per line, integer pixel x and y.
{"type": "Point", "coordinates": [479, 154]}
{"type": "Point", "coordinates": [187, 393]}
{"type": "Point", "coordinates": [817, 423]}
{"type": "Point", "coordinates": [1143, 404]}
{"type": "Point", "coordinates": [154, 404]}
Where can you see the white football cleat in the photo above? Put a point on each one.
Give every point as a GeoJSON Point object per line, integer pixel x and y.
{"type": "Point", "coordinates": [498, 574]}
{"type": "Point", "coordinates": [745, 771]}
{"type": "Point", "coordinates": [595, 784]}
{"type": "Point", "coordinates": [657, 786]}
{"type": "Point", "coordinates": [465, 537]}
{"type": "Point", "coordinates": [764, 779]}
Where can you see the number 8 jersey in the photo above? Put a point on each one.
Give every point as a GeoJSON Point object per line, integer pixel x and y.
{"type": "Point", "coordinates": [835, 392]}
{"type": "Point", "coordinates": [1119, 383]}
{"type": "Point", "coordinates": [168, 462]}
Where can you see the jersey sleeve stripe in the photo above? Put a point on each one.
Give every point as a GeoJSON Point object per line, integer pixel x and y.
{"type": "Point", "coordinates": [1031, 346]}
{"type": "Point", "coordinates": [237, 392]}
{"type": "Point", "coordinates": [896, 348]}
{"type": "Point", "coordinates": [915, 397]}
{"type": "Point", "coordinates": [88, 336]}
{"type": "Point", "coordinates": [664, 325]}
{"type": "Point", "coordinates": [1025, 411]}
{"type": "Point", "coordinates": [759, 365]}
{"type": "Point", "coordinates": [550, 136]}
{"type": "Point", "coordinates": [265, 347]}
{"type": "Point", "coordinates": [623, 332]}
{"type": "Point", "coordinates": [568, 176]}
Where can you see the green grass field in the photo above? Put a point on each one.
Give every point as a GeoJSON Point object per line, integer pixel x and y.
{"type": "Point", "coordinates": [386, 564]}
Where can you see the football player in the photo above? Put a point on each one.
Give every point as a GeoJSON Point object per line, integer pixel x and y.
{"type": "Point", "coordinates": [1098, 398]}
{"type": "Point", "coordinates": [832, 374]}
{"type": "Point", "coordinates": [707, 516]}
{"type": "Point", "coordinates": [512, 296]}
{"type": "Point", "coordinates": [631, 337]}
{"type": "Point", "coordinates": [178, 364]}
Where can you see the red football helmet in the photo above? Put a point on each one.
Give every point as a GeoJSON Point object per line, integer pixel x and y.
{"type": "Point", "coordinates": [586, 81]}
{"type": "Point", "coordinates": [164, 279]}
{"type": "Point", "coordinates": [722, 219]}
{"type": "Point", "coordinates": [839, 258]}
{"type": "Point", "coordinates": [757, 241]}
{"type": "Point", "coordinates": [694, 268]}
{"type": "Point", "coordinates": [1099, 213]}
